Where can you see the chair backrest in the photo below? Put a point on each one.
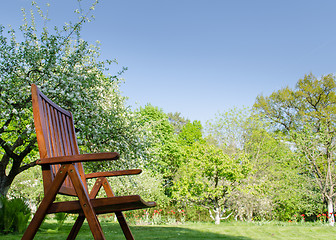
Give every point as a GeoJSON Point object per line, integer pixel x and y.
{"type": "Point", "coordinates": [56, 137]}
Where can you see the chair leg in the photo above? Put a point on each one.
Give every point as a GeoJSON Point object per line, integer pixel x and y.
{"type": "Point", "coordinates": [34, 224]}
{"type": "Point", "coordinates": [45, 204]}
{"type": "Point", "coordinates": [120, 216]}
{"type": "Point", "coordinates": [124, 226]}
{"type": "Point", "coordinates": [76, 227]}
{"type": "Point", "coordinates": [85, 202]}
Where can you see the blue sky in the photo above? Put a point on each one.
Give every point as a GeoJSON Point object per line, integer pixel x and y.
{"type": "Point", "coordinates": [200, 57]}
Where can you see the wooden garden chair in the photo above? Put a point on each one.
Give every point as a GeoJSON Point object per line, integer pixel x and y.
{"type": "Point", "coordinates": [63, 173]}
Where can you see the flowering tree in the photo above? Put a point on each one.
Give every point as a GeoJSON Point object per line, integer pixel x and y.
{"type": "Point", "coordinates": [67, 69]}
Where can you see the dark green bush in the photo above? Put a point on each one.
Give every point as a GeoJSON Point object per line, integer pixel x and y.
{"type": "Point", "coordinates": [14, 215]}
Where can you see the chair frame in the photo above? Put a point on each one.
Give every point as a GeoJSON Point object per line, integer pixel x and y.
{"type": "Point", "coordinates": [69, 178]}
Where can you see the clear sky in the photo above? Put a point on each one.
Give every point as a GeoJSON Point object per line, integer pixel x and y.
{"type": "Point", "coordinates": [200, 57]}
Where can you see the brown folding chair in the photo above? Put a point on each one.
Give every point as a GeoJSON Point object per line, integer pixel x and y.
{"type": "Point", "coordinates": [63, 173]}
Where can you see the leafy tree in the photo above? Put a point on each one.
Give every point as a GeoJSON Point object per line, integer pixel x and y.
{"type": "Point", "coordinates": [228, 129]}
{"type": "Point", "coordinates": [318, 157]}
{"type": "Point", "coordinates": [311, 107]}
{"type": "Point", "coordinates": [160, 128]}
{"type": "Point", "coordinates": [170, 136]}
{"type": "Point", "coordinates": [277, 186]}
{"type": "Point", "coordinates": [67, 69]}
{"type": "Point", "coordinates": [275, 180]}
{"type": "Point", "coordinates": [252, 198]}
{"type": "Point", "coordinates": [191, 133]}
{"type": "Point", "coordinates": [147, 184]}
{"type": "Point", "coordinates": [164, 147]}
{"type": "Point", "coordinates": [208, 177]}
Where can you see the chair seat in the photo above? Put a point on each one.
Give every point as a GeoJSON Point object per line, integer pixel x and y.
{"type": "Point", "coordinates": [103, 205]}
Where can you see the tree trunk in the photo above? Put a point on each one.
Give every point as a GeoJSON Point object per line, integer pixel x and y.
{"type": "Point", "coordinates": [331, 212]}
{"type": "Point", "coordinates": [7, 179]}
{"type": "Point", "coordinates": [217, 215]}
{"type": "Point", "coordinates": [4, 181]}
{"type": "Point", "coordinates": [4, 185]}
{"type": "Point", "coordinates": [249, 213]}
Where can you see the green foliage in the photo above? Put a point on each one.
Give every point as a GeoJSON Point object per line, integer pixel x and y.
{"type": "Point", "coordinates": [312, 100]}
{"type": "Point", "coordinates": [228, 128]}
{"type": "Point", "coordinates": [275, 188]}
{"type": "Point", "coordinates": [191, 133]}
{"type": "Point", "coordinates": [28, 185]}
{"type": "Point", "coordinates": [147, 184]}
{"type": "Point", "coordinates": [306, 117]}
{"type": "Point", "coordinates": [60, 218]}
{"type": "Point", "coordinates": [160, 128]}
{"type": "Point", "coordinates": [14, 215]}
{"type": "Point", "coordinates": [209, 176]}
{"type": "Point", "coordinates": [165, 149]}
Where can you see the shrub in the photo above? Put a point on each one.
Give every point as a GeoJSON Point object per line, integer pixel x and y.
{"type": "Point", "coordinates": [60, 218]}
{"type": "Point", "coordinates": [28, 185]}
{"type": "Point", "coordinates": [14, 215]}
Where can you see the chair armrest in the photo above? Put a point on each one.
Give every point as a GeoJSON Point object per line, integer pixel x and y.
{"type": "Point", "coordinates": [113, 173]}
{"type": "Point", "coordinates": [79, 158]}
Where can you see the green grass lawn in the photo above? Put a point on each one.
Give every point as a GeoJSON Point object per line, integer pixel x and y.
{"type": "Point", "coordinates": [232, 230]}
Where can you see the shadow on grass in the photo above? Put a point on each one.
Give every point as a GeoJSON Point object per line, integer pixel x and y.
{"type": "Point", "coordinates": [179, 232]}
{"type": "Point", "coordinates": [113, 231]}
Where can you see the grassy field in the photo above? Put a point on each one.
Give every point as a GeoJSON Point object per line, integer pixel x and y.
{"type": "Point", "coordinates": [189, 231]}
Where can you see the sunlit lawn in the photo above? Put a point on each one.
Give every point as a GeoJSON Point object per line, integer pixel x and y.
{"type": "Point", "coordinates": [232, 230]}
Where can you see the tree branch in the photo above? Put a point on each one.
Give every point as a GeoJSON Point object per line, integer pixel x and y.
{"type": "Point", "coordinates": [8, 149]}
{"type": "Point", "coordinates": [28, 149]}
{"type": "Point", "coordinates": [222, 218]}
{"type": "Point", "coordinates": [210, 212]}
{"type": "Point", "coordinates": [6, 124]}
{"type": "Point", "coordinates": [26, 166]}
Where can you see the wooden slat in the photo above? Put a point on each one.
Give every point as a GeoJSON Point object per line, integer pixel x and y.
{"type": "Point", "coordinates": [62, 134]}
{"type": "Point", "coordinates": [67, 182]}
{"type": "Point", "coordinates": [113, 173]}
{"type": "Point", "coordinates": [49, 136]}
{"type": "Point", "coordinates": [51, 132]}
{"type": "Point", "coordinates": [46, 128]}
{"type": "Point", "coordinates": [70, 137]}
{"type": "Point", "coordinates": [66, 143]}
{"type": "Point", "coordinates": [80, 158]}
{"type": "Point", "coordinates": [104, 205]}
{"type": "Point", "coordinates": [54, 128]}
{"type": "Point", "coordinates": [59, 134]}
{"type": "Point", "coordinates": [67, 187]}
